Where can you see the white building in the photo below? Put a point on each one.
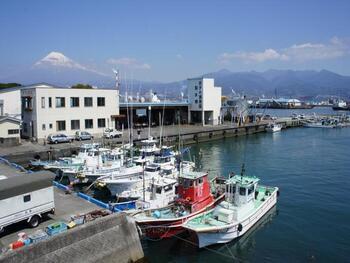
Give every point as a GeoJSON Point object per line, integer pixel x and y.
{"type": "Point", "coordinates": [10, 102]}
{"type": "Point", "coordinates": [48, 110]}
{"type": "Point", "coordinates": [205, 101]}
{"type": "Point", "coordinates": [9, 130]}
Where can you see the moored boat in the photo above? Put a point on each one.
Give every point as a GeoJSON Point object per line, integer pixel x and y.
{"type": "Point", "coordinates": [245, 203]}
{"type": "Point", "coordinates": [273, 127]}
{"type": "Point", "coordinates": [194, 197]}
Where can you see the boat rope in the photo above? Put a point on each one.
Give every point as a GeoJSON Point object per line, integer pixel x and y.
{"type": "Point", "coordinates": [210, 249]}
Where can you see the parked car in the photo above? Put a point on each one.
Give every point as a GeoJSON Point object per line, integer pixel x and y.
{"type": "Point", "coordinates": [112, 133]}
{"type": "Point", "coordinates": [83, 135]}
{"type": "Point", "coordinates": [56, 138]}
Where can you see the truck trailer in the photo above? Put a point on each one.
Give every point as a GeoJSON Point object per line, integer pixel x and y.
{"type": "Point", "coordinates": [26, 197]}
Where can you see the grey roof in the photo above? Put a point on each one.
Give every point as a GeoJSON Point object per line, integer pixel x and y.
{"type": "Point", "coordinates": [25, 183]}
{"type": "Point", "coordinates": [2, 118]}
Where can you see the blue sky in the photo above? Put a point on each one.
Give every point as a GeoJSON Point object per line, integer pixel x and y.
{"type": "Point", "coordinates": [172, 40]}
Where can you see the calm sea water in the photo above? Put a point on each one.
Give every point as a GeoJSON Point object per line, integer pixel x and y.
{"type": "Point", "coordinates": [311, 222]}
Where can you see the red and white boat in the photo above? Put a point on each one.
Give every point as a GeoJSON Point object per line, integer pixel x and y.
{"type": "Point", "coordinates": [194, 197]}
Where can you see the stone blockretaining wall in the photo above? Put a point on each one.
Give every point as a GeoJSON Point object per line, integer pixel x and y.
{"type": "Point", "coordinates": [113, 238]}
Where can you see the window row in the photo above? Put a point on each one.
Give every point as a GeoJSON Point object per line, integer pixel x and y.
{"type": "Point", "coordinates": [60, 102]}
{"type": "Point", "coordinates": [75, 124]}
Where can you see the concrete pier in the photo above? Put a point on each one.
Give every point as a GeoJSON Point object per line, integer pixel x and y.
{"type": "Point", "coordinates": [189, 134]}
{"type": "Point", "coordinates": [112, 238]}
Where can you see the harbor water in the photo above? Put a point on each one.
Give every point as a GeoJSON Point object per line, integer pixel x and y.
{"type": "Point", "coordinates": [311, 221]}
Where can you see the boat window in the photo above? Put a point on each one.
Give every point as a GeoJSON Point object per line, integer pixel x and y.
{"type": "Point", "coordinates": [26, 198]}
{"type": "Point", "coordinates": [167, 188]}
{"type": "Point", "coordinates": [200, 180]}
{"type": "Point", "coordinates": [187, 183]}
{"type": "Point", "coordinates": [159, 190]}
{"type": "Point", "coordinates": [250, 189]}
{"type": "Point", "coordinates": [242, 191]}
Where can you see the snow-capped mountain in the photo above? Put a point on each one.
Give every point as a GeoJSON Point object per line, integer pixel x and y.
{"type": "Point", "coordinates": [58, 69]}
{"type": "Point", "coordinates": [57, 59]}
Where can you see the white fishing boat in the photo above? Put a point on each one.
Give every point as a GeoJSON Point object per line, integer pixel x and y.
{"type": "Point", "coordinates": [160, 193]}
{"type": "Point", "coordinates": [273, 127]}
{"type": "Point", "coordinates": [245, 203]}
{"type": "Point", "coordinates": [126, 178]}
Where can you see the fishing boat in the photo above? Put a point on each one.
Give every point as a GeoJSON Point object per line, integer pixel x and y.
{"type": "Point", "coordinates": [273, 127]}
{"type": "Point", "coordinates": [194, 197]}
{"type": "Point", "coordinates": [126, 178]}
{"type": "Point", "coordinates": [245, 203]}
{"type": "Point", "coordinates": [321, 124]}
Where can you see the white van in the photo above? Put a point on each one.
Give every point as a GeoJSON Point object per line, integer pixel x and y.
{"type": "Point", "coordinates": [26, 197]}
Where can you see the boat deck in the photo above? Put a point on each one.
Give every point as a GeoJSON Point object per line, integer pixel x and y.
{"type": "Point", "coordinates": [211, 220]}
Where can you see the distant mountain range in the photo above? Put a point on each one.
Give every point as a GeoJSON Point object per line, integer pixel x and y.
{"type": "Point", "coordinates": [56, 68]}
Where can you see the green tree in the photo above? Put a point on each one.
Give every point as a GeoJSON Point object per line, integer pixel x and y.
{"type": "Point", "coordinates": [9, 85]}
{"type": "Point", "coordinates": [81, 86]}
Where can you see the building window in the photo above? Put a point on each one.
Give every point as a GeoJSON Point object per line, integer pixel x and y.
{"type": "Point", "coordinates": [196, 101]}
{"type": "Point", "coordinates": [196, 87]}
{"type": "Point", "coordinates": [43, 102]}
{"type": "Point", "coordinates": [25, 127]}
{"type": "Point", "coordinates": [74, 101]}
{"type": "Point", "coordinates": [61, 125]}
{"type": "Point", "coordinates": [13, 131]}
{"type": "Point", "coordinates": [60, 102]}
{"type": "Point", "coordinates": [200, 82]}
{"type": "Point", "coordinates": [50, 102]}
{"type": "Point", "coordinates": [88, 101]}
{"type": "Point", "coordinates": [101, 123]}
{"type": "Point", "coordinates": [75, 124]}
{"type": "Point", "coordinates": [26, 198]}
{"type": "Point", "coordinates": [200, 101]}
{"type": "Point", "coordinates": [195, 94]}
{"type": "Point", "coordinates": [101, 101]}
{"type": "Point", "coordinates": [200, 96]}
{"type": "Point", "coordinates": [27, 103]}
{"type": "Point", "coordinates": [50, 125]}
{"type": "Point", "coordinates": [89, 124]}
{"type": "Point", "coordinates": [43, 127]}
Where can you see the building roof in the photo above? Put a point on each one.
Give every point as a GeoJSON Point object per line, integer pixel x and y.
{"type": "Point", "coordinates": [10, 119]}
{"type": "Point", "coordinates": [158, 104]}
{"type": "Point", "coordinates": [25, 183]}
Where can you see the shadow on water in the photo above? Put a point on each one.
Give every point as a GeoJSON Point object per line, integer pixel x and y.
{"type": "Point", "coordinates": [184, 248]}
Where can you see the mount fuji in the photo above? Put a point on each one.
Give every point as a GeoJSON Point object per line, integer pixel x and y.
{"type": "Point", "coordinates": [58, 69]}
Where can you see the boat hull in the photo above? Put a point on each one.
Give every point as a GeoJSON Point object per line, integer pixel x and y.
{"type": "Point", "coordinates": [232, 232]}
{"type": "Point", "coordinates": [159, 229]}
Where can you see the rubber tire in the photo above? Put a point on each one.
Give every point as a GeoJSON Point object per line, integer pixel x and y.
{"type": "Point", "coordinates": [111, 137]}
{"type": "Point", "coordinates": [34, 221]}
{"type": "Point", "coordinates": [55, 142]}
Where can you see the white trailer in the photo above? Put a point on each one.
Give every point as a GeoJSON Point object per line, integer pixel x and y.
{"type": "Point", "coordinates": [26, 197]}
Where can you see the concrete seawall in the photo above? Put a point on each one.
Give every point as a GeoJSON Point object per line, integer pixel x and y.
{"type": "Point", "coordinates": [189, 135]}
{"type": "Point", "coordinates": [113, 238]}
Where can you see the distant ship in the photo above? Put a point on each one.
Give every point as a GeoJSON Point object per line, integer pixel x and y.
{"type": "Point", "coordinates": [341, 105]}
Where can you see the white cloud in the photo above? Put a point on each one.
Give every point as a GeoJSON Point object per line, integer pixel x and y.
{"type": "Point", "coordinates": [129, 63]}
{"type": "Point", "coordinates": [268, 54]}
{"type": "Point", "coordinates": [335, 48]}
{"type": "Point", "coordinates": [179, 56]}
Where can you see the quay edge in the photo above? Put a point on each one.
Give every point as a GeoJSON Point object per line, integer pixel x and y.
{"type": "Point", "coordinates": [188, 136]}
{"type": "Point", "coordinates": [102, 240]}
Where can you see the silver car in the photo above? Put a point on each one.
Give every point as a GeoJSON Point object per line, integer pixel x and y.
{"type": "Point", "coordinates": [83, 135]}
{"type": "Point", "coordinates": [58, 138]}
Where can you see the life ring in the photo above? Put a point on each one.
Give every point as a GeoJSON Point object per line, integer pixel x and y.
{"type": "Point", "coordinates": [240, 227]}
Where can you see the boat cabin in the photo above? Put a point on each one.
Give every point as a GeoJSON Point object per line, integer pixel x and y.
{"type": "Point", "coordinates": [194, 187]}
{"type": "Point", "coordinates": [240, 190]}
